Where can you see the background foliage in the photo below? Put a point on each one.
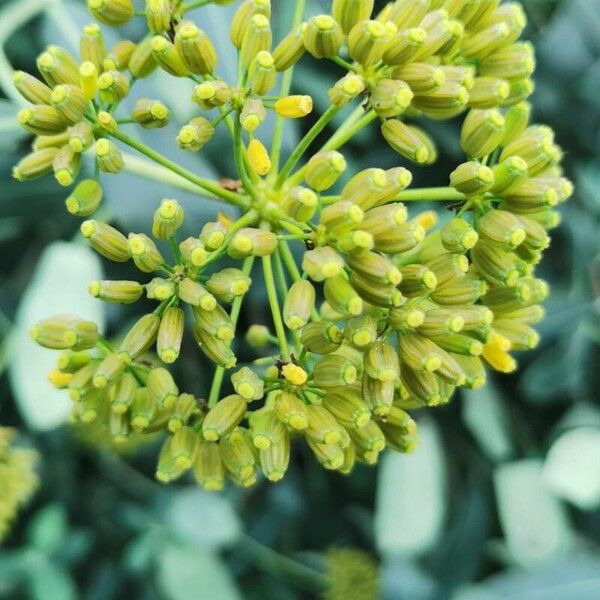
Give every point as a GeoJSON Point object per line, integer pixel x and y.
{"type": "Point", "coordinates": [501, 499]}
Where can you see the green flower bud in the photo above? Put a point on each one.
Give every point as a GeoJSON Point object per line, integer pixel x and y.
{"type": "Point", "coordinates": [419, 353]}
{"type": "Point", "coordinates": [41, 119]}
{"type": "Point", "coordinates": [341, 216]}
{"type": "Point", "coordinates": [322, 426]}
{"type": "Point", "coordinates": [347, 407]}
{"type": "Point", "coordinates": [150, 114]}
{"type": "Point", "coordinates": [291, 411]}
{"type": "Point", "coordinates": [300, 203]}
{"type": "Point", "coordinates": [403, 46]}
{"type": "Point", "coordinates": [65, 332]}
{"type": "Point", "coordinates": [216, 321]}
{"type": "Point", "coordinates": [195, 134]}
{"type": "Point", "coordinates": [323, 37]}
{"type": "Point", "coordinates": [140, 337]}
{"type": "Point", "coordinates": [369, 441]}
{"type": "Point", "coordinates": [535, 145]}
{"type": "Point", "coordinates": [66, 166]}
{"type": "Point", "coordinates": [472, 178]}
{"type": "Point", "coordinates": [374, 266]}
{"type": "Point", "coordinates": [113, 86]}
{"type": "Point", "coordinates": [106, 240]}
{"type": "Point", "coordinates": [262, 73]}
{"type": "Point", "coordinates": [257, 37]}
{"type": "Point", "coordinates": [243, 15]}
{"type": "Point", "coordinates": [361, 331]}
{"type": "Point", "coordinates": [333, 370]}
{"type": "Point", "coordinates": [88, 79]}
{"type": "Point", "coordinates": [265, 428]}
{"type": "Point", "coordinates": [443, 102]}
{"type": "Point", "coordinates": [184, 447]}
{"type": "Point", "coordinates": [509, 175]}
{"type": "Point", "coordinates": [460, 290]}
{"type": "Point", "coordinates": [367, 41]}
{"type": "Point", "coordinates": [70, 361]}
{"type": "Point", "coordinates": [488, 92]}
{"type": "Point", "coordinates": [322, 263]}
{"type": "Point", "coordinates": [112, 12]}
{"type": "Point", "coordinates": [215, 349]}
{"type": "Point", "coordinates": [162, 388]}
{"type": "Point", "coordinates": [441, 321]}
{"type": "Point", "coordinates": [408, 13]}
{"type": "Point", "coordinates": [185, 407]}
{"type": "Point", "coordinates": [378, 395]}
{"type": "Point", "coordinates": [228, 284]}
{"type": "Point", "coordinates": [381, 362]}
{"type": "Point", "coordinates": [349, 12]}
{"type": "Point", "coordinates": [482, 132]}
{"type": "Point", "coordinates": [91, 45]}
{"type": "Point", "coordinates": [142, 63]}
{"type": "Point", "coordinates": [81, 382]}
{"type": "Point", "coordinates": [376, 293]}
{"type": "Point", "coordinates": [35, 164]}
{"type": "Point", "coordinates": [473, 370]}
{"type": "Point", "coordinates": [329, 456]}
{"type": "Point", "coordinates": [505, 299]}
{"type": "Point", "coordinates": [195, 49]}
{"type": "Point", "coordinates": [274, 460]}
{"type": "Point", "coordinates": [238, 456]}
{"type": "Point", "coordinates": [481, 44]}
{"type": "Point", "coordinates": [160, 289]}
{"type": "Point", "coordinates": [258, 336]}
{"type": "Point", "coordinates": [119, 55]}
{"type": "Point", "coordinates": [209, 470]}
{"type": "Point", "coordinates": [110, 368]}
{"type": "Point", "coordinates": [342, 297]}
{"type": "Point", "coordinates": [443, 35]}
{"type": "Point", "coordinates": [253, 113]}
{"type": "Point", "coordinates": [158, 15]}
{"type": "Point", "coordinates": [367, 188]}
{"type": "Point", "coordinates": [170, 334]}
{"type": "Point", "coordinates": [166, 469]}
{"type": "Point", "coordinates": [168, 218]}
{"type": "Point", "coordinates": [31, 88]}
{"type": "Point", "coordinates": [116, 292]}
{"type": "Point", "coordinates": [409, 141]}
{"type": "Point", "coordinates": [80, 137]}
{"type": "Point", "coordinates": [144, 252]}
{"type": "Point", "coordinates": [249, 241]}
{"type": "Point", "coordinates": [495, 265]}
{"type": "Point", "coordinates": [108, 156]}
{"type": "Point", "coordinates": [290, 50]}
{"type": "Point", "coordinates": [247, 384]}
{"type": "Point", "coordinates": [90, 406]}
{"type": "Point", "coordinates": [298, 305]}
{"type": "Point", "coordinates": [346, 89]}
{"type": "Point", "coordinates": [57, 66]}
{"type": "Point", "coordinates": [56, 141]}
{"type": "Point", "coordinates": [391, 97]}
{"type": "Point", "coordinates": [458, 236]}
{"type": "Point", "coordinates": [124, 393]}
{"type": "Point", "coordinates": [321, 337]}
{"type": "Point", "coordinates": [398, 440]}
{"type": "Point", "coordinates": [459, 343]}
{"type": "Point", "coordinates": [193, 252]}
{"type": "Point", "coordinates": [167, 57]}
{"type": "Point", "coordinates": [142, 412]}
{"type": "Point", "coordinates": [516, 120]}
{"type": "Point", "coordinates": [421, 77]}
{"type": "Point", "coordinates": [324, 169]}
{"type": "Point", "coordinates": [513, 62]}
{"type": "Point", "coordinates": [502, 227]}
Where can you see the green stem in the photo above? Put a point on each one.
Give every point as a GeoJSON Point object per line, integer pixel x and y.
{"type": "Point", "coordinates": [205, 184]}
{"type": "Point", "coordinates": [432, 194]}
{"type": "Point", "coordinates": [274, 304]}
{"type": "Point", "coordinates": [286, 85]}
{"type": "Point", "coordinates": [238, 148]}
{"type": "Point", "coordinates": [278, 564]}
{"type": "Point", "coordinates": [304, 143]}
{"type": "Point", "coordinates": [338, 60]}
{"type": "Point", "coordinates": [193, 5]}
{"type": "Point", "coordinates": [350, 120]}
{"type": "Point", "coordinates": [236, 307]}
{"type": "Point", "coordinates": [341, 138]}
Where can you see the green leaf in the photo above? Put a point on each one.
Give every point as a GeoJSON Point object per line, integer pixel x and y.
{"type": "Point", "coordinates": [59, 285]}
{"type": "Point", "coordinates": [189, 573]}
{"type": "Point", "coordinates": [484, 415]}
{"type": "Point", "coordinates": [572, 467]}
{"type": "Point", "coordinates": [47, 580]}
{"type": "Point", "coordinates": [411, 497]}
{"type": "Point", "coordinates": [48, 528]}
{"type": "Point", "coordinates": [204, 518]}
{"type": "Point", "coordinates": [535, 524]}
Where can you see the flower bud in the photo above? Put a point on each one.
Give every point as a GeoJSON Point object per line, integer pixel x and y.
{"type": "Point", "coordinates": [242, 16]}
{"type": "Point", "coordinates": [322, 426]}
{"type": "Point", "coordinates": [249, 241]}
{"type": "Point", "coordinates": [482, 132]}
{"type": "Point", "coordinates": [294, 107]}
{"type": "Point", "coordinates": [333, 371]}
{"type": "Point", "coordinates": [495, 353]}
{"type": "Point", "coordinates": [168, 218]}
{"type": "Point", "coordinates": [239, 458]}
{"type": "Point", "coordinates": [209, 470]}
{"type": "Point", "coordinates": [57, 66]}
{"type": "Point", "coordinates": [443, 102]}
{"type": "Point", "coordinates": [321, 337]}
{"type": "Point", "coordinates": [119, 55]}
{"type": "Point", "coordinates": [291, 411]}
{"type": "Point", "coordinates": [109, 370]}
{"type": "Point", "coordinates": [108, 156]}
{"type": "Point", "coordinates": [70, 361]}
{"type": "Point", "coordinates": [495, 265]}
{"type": "Point", "coordinates": [195, 134]}
{"type": "Point", "coordinates": [228, 284]}
{"type": "Point", "coordinates": [323, 37]}
{"type": "Point", "coordinates": [253, 113]}
{"type": "Point", "coordinates": [367, 41]}
{"type": "Point", "coordinates": [472, 178]}
{"type": "Point", "coordinates": [124, 393]}
{"type": "Point", "coordinates": [361, 331]}
{"type": "Point", "coordinates": [369, 441]}
{"type": "Point", "coordinates": [160, 289]}
{"type": "Point", "coordinates": [421, 77]}
{"type": "Point", "coordinates": [324, 169]}
{"type": "Point", "coordinates": [144, 252]}
{"type": "Point", "coordinates": [116, 292]}
{"type": "Point", "coordinates": [300, 203]}
{"type": "Point", "coordinates": [247, 384]}
{"type": "Point", "coordinates": [298, 305]}
{"type": "Point", "coordinates": [81, 137]}
{"type": "Point", "coordinates": [265, 428]}
{"type": "Point", "coordinates": [502, 227]}
{"type": "Point", "coordinates": [158, 15]}
{"type": "Point", "coordinates": [488, 92]}
{"type": "Point", "coordinates": [535, 145]}
{"type": "Point", "coordinates": [90, 406]}
{"type": "Point", "coordinates": [290, 50]}
{"type": "Point", "coordinates": [91, 45]}
{"type": "Point", "coordinates": [258, 157]}
{"type": "Point", "coordinates": [142, 411]}
{"type": "Point", "coordinates": [409, 141]}
{"type": "Point", "coordinates": [262, 74]}
{"type": "Point", "coordinates": [408, 13]}
{"type": "Point", "coordinates": [460, 290]}
{"type": "Point", "coordinates": [346, 89]}
{"type": "Point", "coordinates": [193, 252]}
{"type": "Point", "coordinates": [195, 49]}
{"type": "Point", "coordinates": [257, 37]}
{"type": "Point", "coordinates": [441, 321]}
{"type": "Point", "coordinates": [66, 166]}
{"type": "Point", "coordinates": [106, 240]}
{"type": "Point", "coordinates": [516, 120]}
{"type": "Point", "coordinates": [322, 263]}
{"type": "Point", "coordinates": [170, 334]}
{"type": "Point", "coordinates": [481, 44]}
{"type": "Point", "coordinates": [185, 407]}
{"type": "Point", "coordinates": [366, 188]}
{"type": "Point", "coordinates": [112, 12]}
{"type": "Point", "coordinates": [223, 417]}
{"type": "Point", "coordinates": [509, 175]}
{"type": "Point", "coordinates": [215, 349]}
{"type": "Point", "coordinates": [329, 456]}
{"type": "Point", "coordinates": [150, 114]}
{"type": "Point", "coordinates": [349, 12]}
{"type": "Point", "coordinates": [162, 388]}
{"type": "Point", "coordinates": [113, 86]}
{"type": "Point", "coordinates": [378, 395]}
{"type": "Point", "coordinates": [41, 119]}
{"type": "Point", "coordinates": [374, 266]}
{"type": "Point", "coordinates": [167, 57]}
{"type": "Point", "coordinates": [257, 336]}
{"type": "Point", "coordinates": [196, 294]}
{"type": "Point", "coordinates": [406, 318]}
{"type": "Point", "coordinates": [342, 297]}
{"type": "Point", "coordinates": [274, 460]}
{"type": "Point", "coordinates": [390, 97]}
{"type": "Point", "coordinates": [65, 332]}
{"type": "Point", "coordinates": [402, 47]}
{"type": "Point", "coordinates": [376, 293]}
{"type": "Point", "coordinates": [294, 374]}
{"type": "Point", "coordinates": [31, 88]}
{"type": "Point", "coordinates": [81, 382]}
{"type": "Point", "coordinates": [141, 62]}
{"type": "Point", "coordinates": [88, 79]}
{"type": "Point", "coordinates": [419, 353]}
{"type": "Point", "coordinates": [140, 337]}
{"type": "Point", "coordinates": [381, 362]}
{"type": "Point", "coordinates": [216, 321]}
{"type": "Point", "coordinates": [35, 164]}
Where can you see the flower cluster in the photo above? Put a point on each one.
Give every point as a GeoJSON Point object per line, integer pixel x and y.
{"type": "Point", "coordinates": [18, 478]}
{"type": "Point", "coordinates": [385, 312]}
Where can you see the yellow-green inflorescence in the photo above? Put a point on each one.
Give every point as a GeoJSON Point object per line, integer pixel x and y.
{"type": "Point", "coordinates": [385, 311]}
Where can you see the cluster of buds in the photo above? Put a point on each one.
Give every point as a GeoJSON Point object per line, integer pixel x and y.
{"type": "Point", "coordinates": [384, 313]}
{"type": "Point", "coordinates": [18, 478]}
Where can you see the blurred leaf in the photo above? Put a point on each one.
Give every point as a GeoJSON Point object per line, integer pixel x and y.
{"type": "Point", "coordinates": [411, 497]}
{"type": "Point", "coordinates": [205, 518]}
{"type": "Point", "coordinates": [59, 285]}
{"type": "Point", "coordinates": [48, 528]}
{"type": "Point", "coordinates": [46, 580]}
{"type": "Point", "coordinates": [534, 522]}
{"type": "Point", "coordinates": [10, 131]}
{"type": "Point", "coordinates": [402, 579]}
{"type": "Point", "coordinates": [484, 415]}
{"type": "Point", "coordinates": [572, 467]}
{"type": "Point", "coordinates": [189, 573]}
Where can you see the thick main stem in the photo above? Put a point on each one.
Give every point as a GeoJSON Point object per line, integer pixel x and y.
{"type": "Point", "coordinates": [205, 184]}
